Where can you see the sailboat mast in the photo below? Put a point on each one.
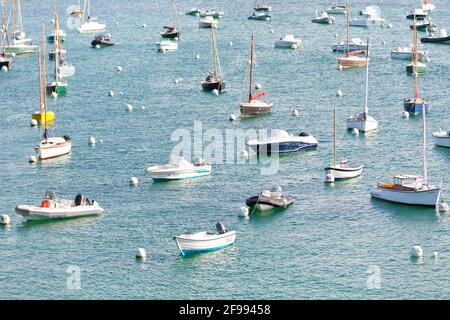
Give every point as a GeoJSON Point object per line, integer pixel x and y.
{"type": "Point", "coordinates": [334, 137]}
{"type": "Point", "coordinates": [424, 147]}
{"type": "Point", "coordinates": [366, 98]}
{"type": "Point", "coordinates": [213, 44]}
{"type": "Point", "coordinates": [251, 72]}
{"type": "Point", "coordinates": [44, 75]}
{"type": "Point", "coordinates": [13, 13]}
{"type": "Point", "coordinates": [173, 13]}
{"type": "Point", "coordinates": [3, 28]}
{"type": "Point", "coordinates": [19, 16]}
{"type": "Point", "coordinates": [40, 80]}
{"type": "Point", "coordinates": [56, 44]}
{"type": "Point", "coordinates": [347, 13]}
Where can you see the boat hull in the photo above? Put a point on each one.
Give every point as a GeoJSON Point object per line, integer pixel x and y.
{"type": "Point", "coordinates": [442, 40]}
{"type": "Point", "coordinates": [92, 27]}
{"type": "Point", "coordinates": [5, 63]}
{"type": "Point", "coordinates": [265, 204]}
{"type": "Point", "coordinates": [396, 55]}
{"type": "Point", "coordinates": [213, 85]}
{"type": "Point", "coordinates": [101, 44]}
{"type": "Point", "coordinates": [283, 44]}
{"type": "Point", "coordinates": [191, 246]}
{"type": "Point", "coordinates": [441, 140]}
{"type": "Point", "coordinates": [324, 20]}
{"type": "Point", "coordinates": [413, 68]}
{"type": "Point", "coordinates": [344, 173]}
{"type": "Point", "coordinates": [46, 153]}
{"type": "Point", "coordinates": [415, 107]}
{"type": "Point", "coordinates": [20, 49]}
{"type": "Point", "coordinates": [44, 117]}
{"type": "Point", "coordinates": [282, 147]}
{"type": "Point", "coordinates": [60, 88]}
{"type": "Point", "coordinates": [352, 62]}
{"type": "Point", "coordinates": [426, 198]}
{"type": "Point", "coordinates": [66, 71]}
{"type": "Point", "coordinates": [254, 109]}
{"type": "Point", "coordinates": [363, 125]}
{"type": "Point", "coordinates": [38, 213]}
{"type": "Point", "coordinates": [171, 35]}
{"type": "Point", "coordinates": [179, 174]}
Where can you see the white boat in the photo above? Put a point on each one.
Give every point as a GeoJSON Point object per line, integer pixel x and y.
{"type": "Point", "coordinates": [205, 241]}
{"type": "Point", "coordinates": [207, 22]}
{"type": "Point", "coordinates": [367, 21]}
{"type": "Point", "coordinates": [337, 9]}
{"type": "Point", "coordinates": [54, 208]}
{"type": "Point", "coordinates": [66, 70]}
{"type": "Point", "coordinates": [288, 41]}
{"type": "Point", "coordinates": [212, 13]}
{"type": "Point", "coordinates": [263, 7]}
{"type": "Point", "coordinates": [427, 5]}
{"type": "Point", "coordinates": [363, 121]}
{"type": "Point", "coordinates": [442, 138]}
{"type": "Point", "coordinates": [355, 44]}
{"type": "Point", "coordinates": [53, 147]}
{"type": "Point", "coordinates": [406, 53]}
{"type": "Point", "coordinates": [91, 25]}
{"type": "Point", "coordinates": [260, 15]}
{"type": "Point", "coordinates": [178, 168]}
{"type": "Point", "coordinates": [280, 141]}
{"type": "Point", "coordinates": [193, 12]}
{"type": "Point", "coordinates": [370, 11]}
{"type": "Point", "coordinates": [167, 46]}
{"type": "Point", "coordinates": [323, 18]}
{"type": "Point", "coordinates": [418, 14]}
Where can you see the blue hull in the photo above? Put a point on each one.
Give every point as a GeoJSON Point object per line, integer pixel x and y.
{"type": "Point", "coordinates": [185, 252]}
{"type": "Point", "coordinates": [415, 108]}
{"type": "Point", "coordinates": [285, 147]}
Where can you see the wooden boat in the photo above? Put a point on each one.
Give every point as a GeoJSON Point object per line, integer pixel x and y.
{"type": "Point", "coordinates": [363, 121]}
{"type": "Point", "coordinates": [415, 66]}
{"type": "Point", "coordinates": [440, 37]}
{"type": "Point", "coordinates": [201, 242]}
{"type": "Point", "coordinates": [54, 208]}
{"type": "Point", "coordinates": [442, 138]}
{"type": "Point", "coordinates": [253, 106]}
{"type": "Point", "coordinates": [171, 31]}
{"type": "Point", "coordinates": [280, 141]}
{"type": "Point", "coordinates": [342, 170]}
{"type": "Point", "coordinates": [214, 79]}
{"type": "Point", "coordinates": [102, 40]}
{"type": "Point", "coordinates": [269, 200]}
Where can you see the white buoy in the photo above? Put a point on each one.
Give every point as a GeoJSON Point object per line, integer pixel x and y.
{"type": "Point", "coordinates": [197, 56]}
{"type": "Point", "coordinates": [5, 219]}
{"type": "Point", "coordinates": [34, 122]}
{"type": "Point", "coordinates": [97, 46]}
{"type": "Point", "coordinates": [5, 69]}
{"type": "Point", "coordinates": [355, 132]}
{"type": "Point", "coordinates": [336, 35]}
{"type": "Point", "coordinates": [144, 26]}
{"type": "Point", "coordinates": [435, 254]}
{"type": "Point", "coordinates": [339, 67]}
{"type": "Point", "coordinates": [295, 113]}
{"type": "Point", "coordinates": [111, 93]}
{"type": "Point", "coordinates": [383, 42]}
{"type": "Point", "coordinates": [258, 86]}
{"type": "Point", "coordinates": [121, 93]}
{"type": "Point", "coordinates": [233, 117]}
{"type": "Point", "coordinates": [141, 253]}
{"type": "Point", "coordinates": [416, 252]}
{"type": "Point", "coordinates": [33, 159]}
{"type": "Point", "coordinates": [129, 107]}
{"type": "Point", "coordinates": [119, 68]}
{"type": "Point", "coordinates": [54, 95]}
{"type": "Point", "coordinates": [244, 154]}
{"type": "Point", "coordinates": [339, 93]}
{"type": "Point", "coordinates": [428, 59]}
{"type": "Point", "coordinates": [117, 23]}
{"type": "Point", "coordinates": [405, 114]}
{"type": "Point", "coordinates": [231, 43]}
{"type": "Point", "coordinates": [272, 31]}
{"type": "Point", "coordinates": [244, 211]}
{"type": "Point", "coordinates": [329, 178]}
{"type": "Point", "coordinates": [143, 107]}
{"type": "Point", "coordinates": [134, 181]}
{"type": "Point", "coordinates": [101, 140]}
{"type": "Point", "coordinates": [294, 47]}
{"type": "Point", "coordinates": [91, 141]}
{"type": "Point", "coordinates": [442, 207]}
{"type": "Point", "coordinates": [389, 25]}
{"type": "Point", "coordinates": [215, 92]}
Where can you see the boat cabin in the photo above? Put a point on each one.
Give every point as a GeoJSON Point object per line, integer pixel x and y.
{"type": "Point", "coordinates": [405, 182]}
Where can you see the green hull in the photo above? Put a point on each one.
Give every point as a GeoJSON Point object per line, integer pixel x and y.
{"type": "Point", "coordinates": [18, 49]}
{"type": "Point", "coordinates": [52, 38]}
{"type": "Point", "coordinates": [60, 89]}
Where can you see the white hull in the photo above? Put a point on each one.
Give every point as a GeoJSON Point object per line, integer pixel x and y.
{"type": "Point", "coordinates": [344, 173]}
{"type": "Point", "coordinates": [335, 10]}
{"type": "Point", "coordinates": [287, 44]}
{"type": "Point", "coordinates": [55, 147]}
{"type": "Point", "coordinates": [367, 22]}
{"type": "Point", "coordinates": [91, 27]}
{"type": "Point", "coordinates": [167, 46]}
{"type": "Point", "coordinates": [264, 207]}
{"type": "Point", "coordinates": [204, 242]}
{"type": "Point", "coordinates": [38, 213]}
{"type": "Point", "coordinates": [66, 70]}
{"type": "Point", "coordinates": [158, 173]}
{"type": "Point", "coordinates": [427, 198]}
{"type": "Point", "coordinates": [364, 125]}
{"type": "Point", "coordinates": [407, 55]}
{"type": "Point", "coordinates": [207, 23]}
{"type": "Point", "coordinates": [442, 139]}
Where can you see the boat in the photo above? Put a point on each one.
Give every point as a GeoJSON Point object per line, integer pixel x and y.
{"type": "Point", "coordinates": [179, 168]}
{"type": "Point", "coordinates": [406, 53]}
{"type": "Point", "coordinates": [417, 14]}
{"type": "Point", "coordinates": [253, 106]}
{"type": "Point", "coordinates": [171, 31]}
{"type": "Point", "coordinates": [323, 18]}
{"type": "Point", "coordinates": [262, 7]}
{"type": "Point", "coordinates": [280, 141]}
{"type": "Point", "coordinates": [367, 21]}
{"type": "Point", "coordinates": [416, 104]}
{"type": "Point", "coordinates": [415, 66]}
{"type": "Point", "coordinates": [78, 11]}
{"type": "Point", "coordinates": [102, 40]}
{"type": "Point", "coordinates": [207, 22]}
{"type": "Point", "coordinates": [355, 44]}
{"type": "Point", "coordinates": [263, 16]}
{"type": "Point", "coordinates": [214, 79]}
{"type": "Point", "coordinates": [440, 37]}
{"type": "Point", "coordinates": [58, 85]}
{"type": "Point", "coordinates": [424, 25]}
{"type": "Point", "coordinates": [91, 24]}
{"type": "Point", "coordinates": [5, 62]}
{"type": "Point", "coordinates": [167, 46]}
{"type": "Point", "coordinates": [363, 121]}
{"type": "Point", "coordinates": [288, 41]}
{"type": "Point", "coordinates": [269, 200]}
{"type": "Point", "coordinates": [62, 54]}
{"type": "Point", "coordinates": [442, 138]}
{"type": "Point", "coordinates": [351, 58]}
{"type": "Point", "coordinates": [370, 11]}
{"type": "Point", "coordinates": [337, 9]}
{"type": "Point", "coordinates": [201, 242]}
{"type": "Point", "coordinates": [193, 12]}
{"type": "Point", "coordinates": [212, 13]}
{"type": "Point", "coordinates": [61, 34]}
{"type": "Point", "coordinates": [341, 170]}
{"type": "Point", "coordinates": [427, 5]}
{"type": "Point", "coordinates": [55, 208]}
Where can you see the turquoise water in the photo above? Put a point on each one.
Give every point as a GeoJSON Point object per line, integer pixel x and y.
{"type": "Point", "coordinates": [321, 247]}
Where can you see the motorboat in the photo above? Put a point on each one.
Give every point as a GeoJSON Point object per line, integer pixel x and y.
{"type": "Point", "coordinates": [416, 67]}
{"type": "Point", "coordinates": [208, 22]}
{"type": "Point", "coordinates": [417, 14]}
{"type": "Point", "coordinates": [61, 34]}
{"type": "Point", "coordinates": [440, 37]}
{"type": "Point", "coordinates": [193, 12]}
{"type": "Point", "coordinates": [288, 41]}
{"type": "Point", "coordinates": [337, 9]}
{"type": "Point", "coordinates": [323, 18]}
{"type": "Point", "coordinates": [212, 13]}
{"type": "Point", "coordinates": [269, 200]}
{"type": "Point", "coordinates": [179, 168]}
{"type": "Point", "coordinates": [214, 79]}
{"type": "Point", "coordinates": [424, 25]}
{"type": "Point", "coordinates": [367, 21]}
{"type": "Point", "coordinates": [370, 11]}
{"type": "Point", "coordinates": [280, 141]}
{"type": "Point", "coordinates": [167, 46]}
{"type": "Point", "coordinates": [53, 147]}
{"type": "Point", "coordinates": [406, 53]}
{"type": "Point", "coordinates": [204, 241]}
{"type": "Point", "coordinates": [102, 40]}
{"type": "Point", "coordinates": [355, 44]}
{"type": "Point", "coordinates": [55, 208]}
{"type": "Point", "coordinates": [442, 138]}
{"type": "Point", "coordinates": [262, 16]}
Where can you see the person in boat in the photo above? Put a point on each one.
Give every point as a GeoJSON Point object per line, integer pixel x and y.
{"type": "Point", "coordinates": [221, 228]}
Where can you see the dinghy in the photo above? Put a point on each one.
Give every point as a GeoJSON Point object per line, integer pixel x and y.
{"type": "Point", "coordinates": [406, 53]}
{"type": "Point", "coordinates": [442, 138]}
{"type": "Point", "coordinates": [440, 37]}
{"type": "Point", "coordinates": [102, 40]}
{"type": "Point", "coordinates": [193, 12]}
{"type": "Point", "coordinates": [200, 242]}
{"type": "Point", "coordinates": [337, 9]}
{"type": "Point", "coordinates": [167, 46]}
{"type": "Point", "coordinates": [54, 208]}
{"type": "Point", "coordinates": [212, 13]}
{"type": "Point", "coordinates": [323, 18]}
{"type": "Point", "coordinates": [280, 141]}
{"type": "Point", "coordinates": [207, 22]}
{"type": "Point", "coordinates": [262, 16]}
{"type": "Point", "coordinates": [270, 199]}
{"type": "Point", "coordinates": [288, 41]}
{"type": "Point", "coordinates": [214, 79]}
{"type": "Point", "coordinates": [178, 168]}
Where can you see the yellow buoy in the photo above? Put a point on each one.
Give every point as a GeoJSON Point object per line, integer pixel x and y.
{"type": "Point", "coordinates": [43, 117]}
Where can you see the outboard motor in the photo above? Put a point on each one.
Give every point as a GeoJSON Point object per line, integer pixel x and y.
{"type": "Point", "coordinates": [220, 228]}
{"type": "Point", "coordinates": [50, 195]}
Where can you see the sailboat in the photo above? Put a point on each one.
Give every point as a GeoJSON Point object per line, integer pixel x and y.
{"type": "Point", "coordinates": [171, 31]}
{"type": "Point", "coordinates": [411, 189]}
{"type": "Point", "coordinates": [4, 61]}
{"type": "Point", "coordinates": [90, 25]}
{"type": "Point", "coordinates": [342, 170]}
{"type": "Point", "coordinates": [254, 106]}
{"type": "Point", "coordinates": [58, 86]}
{"type": "Point", "coordinates": [415, 66]}
{"type": "Point", "coordinates": [214, 79]}
{"type": "Point", "coordinates": [18, 44]}
{"type": "Point", "coordinates": [363, 121]}
{"type": "Point", "coordinates": [351, 60]}
{"type": "Point", "coordinates": [416, 104]}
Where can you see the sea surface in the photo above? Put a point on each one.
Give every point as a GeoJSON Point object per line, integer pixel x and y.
{"type": "Point", "coordinates": [335, 242]}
